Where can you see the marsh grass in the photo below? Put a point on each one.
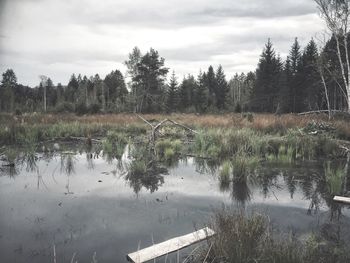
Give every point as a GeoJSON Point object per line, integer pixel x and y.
{"type": "Point", "coordinates": [266, 123]}
{"type": "Point", "coordinates": [11, 155]}
{"type": "Point", "coordinates": [168, 149]}
{"type": "Point", "coordinates": [220, 135]}
{"type": "Point", "coordinates": [247, 238]}
{"type": "Point", "coordinates": [41, 132]}
{"type": "Point", "coordinates": [250, 238]}
{"type": "Point", "coordinates": [334, 178]}
{"type": "Point", "coordinates": [224, 143]}
{"type": "Point", "coordinates": [114, 144]}
{"type": "Point", "coordinates": [285, 155]}
{"type": "Point", "coordinates": [244, 166]}
{"type": "Point", "coordinates": [225, 175]}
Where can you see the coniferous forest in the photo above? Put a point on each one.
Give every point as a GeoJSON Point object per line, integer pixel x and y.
{"type": "Point", "coordinates": [301, 83]}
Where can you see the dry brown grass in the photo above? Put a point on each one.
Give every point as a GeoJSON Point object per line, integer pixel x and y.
{"type": "Point", "coordinates": [263, 122]}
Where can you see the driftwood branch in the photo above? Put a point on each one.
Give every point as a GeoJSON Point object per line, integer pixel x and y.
{"type": "Point", "coordinates": [321, 111]}
{"type": "Point", "coordinates": [150, 124]}
{"type": "Point", "coordinates": [183, 126]}
{"type": "Point", "coordinates": [156, 127]}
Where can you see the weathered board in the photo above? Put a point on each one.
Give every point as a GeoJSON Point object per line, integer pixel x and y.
{"type": "Point", "coordinates": [169, 246]}
{"type": "Point", "coordinates": [342, 199]}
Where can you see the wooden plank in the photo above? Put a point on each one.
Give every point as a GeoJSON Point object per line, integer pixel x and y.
{"type": "Point", "coordinates": [342, 199]}
{"type": "Point", "coordinates": [169, 246]}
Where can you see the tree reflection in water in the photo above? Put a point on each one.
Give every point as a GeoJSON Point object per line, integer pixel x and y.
{"type": "Point", "coordinates": [141, 169]}
{"type": "Point", "coordinates": [144, 170]}
{"type": "Point", "coordinates": [67, 167]}
{"type": "Point", "coordinates": [241, 192]}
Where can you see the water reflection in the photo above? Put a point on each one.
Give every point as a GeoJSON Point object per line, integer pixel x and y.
{"type": "Point", "coordinates": [30, 159]}
{"type": "Point", "coordinates": [144, 170]}
{"type": "Point", "coordinates": [141, 169]}
{"type": "Point", "coordinates": [241, 192]}
{"type": "Point", "coordinates": [183, 191]}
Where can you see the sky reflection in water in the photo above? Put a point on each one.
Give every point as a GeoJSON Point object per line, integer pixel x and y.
{"type": "Point", "coordinates": [84, 203]}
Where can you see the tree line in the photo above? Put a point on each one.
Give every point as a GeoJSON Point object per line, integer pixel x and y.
{"type": "Point", "coordinates": [309, 79]}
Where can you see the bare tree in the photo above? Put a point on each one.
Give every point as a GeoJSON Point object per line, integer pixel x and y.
{"type": "Point", "coordinates": [321, 72]}
{"type": "Point", "coordinates": [336, 14]}
{"type": "Point", "coordinates": [43, 82]}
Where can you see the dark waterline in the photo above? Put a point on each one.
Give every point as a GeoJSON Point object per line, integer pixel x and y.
{"type": "Point", "coordinates": [84, 205]}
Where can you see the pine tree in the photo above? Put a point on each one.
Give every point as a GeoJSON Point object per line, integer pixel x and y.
{"type": "Point", "coordinates": [132, 64]}
{"type": "Point", "coordinates": [296, 91]}
{"type": "Point", "coordinates": [310, 78]}
{"type": "Point", "coordinates": [285, 94]}
{"type": "Point", "coordinates": [268, 78]}
{"type": "Point", "coordinates": [172, 94]}
{"type": "Point", "coordinates": [150, 77]}
{"type": "Point", "coordinates": [210, 81]}
{"type": "Point", "coordinates": [187, 90]}
{"type": "Point", "coordinates": [51, 93]}
{"type": "Point", "coordinates": [116, 90]}
{"type": "Point", "coordinates": [221, 88]}
{"type": "Point", "coordinates": [202, 94]}
{"type": "Point", "coordinates": [72, 88]}
{"type": "Point", "coordinates": [8, 86]}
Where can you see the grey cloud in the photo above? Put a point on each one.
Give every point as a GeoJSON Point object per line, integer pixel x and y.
{"type": "Point", "coordinates": [183, 14]}
{"type": "Point", "coordinates": [244, 27]}
{"type": "Point", "coordinates": [64, 56]}
{"type": "Point", "coordinates": [69, 56]}
{"type": "Point", "coordinates": [261, 9]}
{"type": "Point", "coordinates": [225, 45]}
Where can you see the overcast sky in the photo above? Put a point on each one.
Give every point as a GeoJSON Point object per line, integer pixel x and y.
{"type": "Point", "coordinates": [60, 37]}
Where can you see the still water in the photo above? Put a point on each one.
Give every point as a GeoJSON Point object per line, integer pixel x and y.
{"type": "Point", "coordinates": [83, 204]}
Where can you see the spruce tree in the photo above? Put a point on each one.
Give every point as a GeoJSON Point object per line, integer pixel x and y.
{"type": "Point", "coordinates": [221, 88]}
{"type": "Point", "coordinates": [172, 94]}
{"type": "Point", "coordinates": [71, 89]}
{"type": "Point", "coordinates": [202, 94]}
{"type": "Point", "coordinates": [285, 93]}
{"type": "Point", "coordinates": [116, 90]}
{"type": "Point", "coordinates": [296, 91]}
{"type": "Point", "coordinates": [187, 91]}
{"type": "Point", "coordinates": [267, 86]}
{"type": "Point", "coordinates": [210, 81]}
{"type": "Point", "coordinates": [310, 78]}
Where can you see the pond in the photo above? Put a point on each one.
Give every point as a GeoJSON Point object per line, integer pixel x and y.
{"type": "Point", "coordinates": [84, 204]}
